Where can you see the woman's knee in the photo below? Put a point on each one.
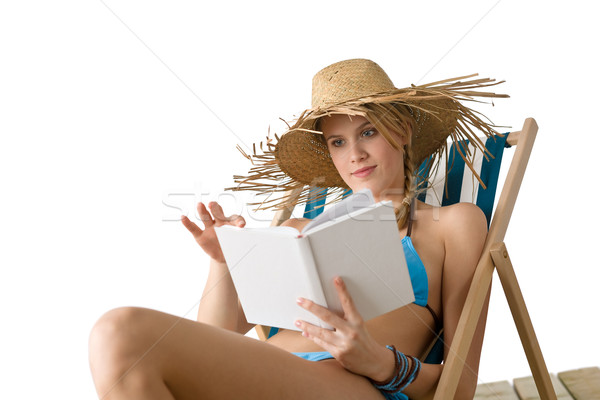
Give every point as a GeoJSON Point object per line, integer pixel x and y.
{"type": "Point", "coordinates": [116, 338]}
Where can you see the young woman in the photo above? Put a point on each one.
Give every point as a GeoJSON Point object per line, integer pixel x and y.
{"type": "Point", "coordinates": [361, 132]}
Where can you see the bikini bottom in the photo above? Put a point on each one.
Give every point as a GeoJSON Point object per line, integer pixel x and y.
{"type": "Point", "coordinates": [325, 355]}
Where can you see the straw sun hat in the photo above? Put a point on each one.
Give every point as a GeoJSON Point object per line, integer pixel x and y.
{"type": "Point", "coordinates": [300, 157]}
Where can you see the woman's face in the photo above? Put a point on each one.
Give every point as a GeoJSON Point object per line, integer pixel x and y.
{"type": "Point", "coordinates": [363, 157]}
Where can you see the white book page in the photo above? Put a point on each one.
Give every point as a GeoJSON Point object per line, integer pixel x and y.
{"type": "Point", "coordinates": [288, 231]}
{"type": "Point", "coordinates": [356, 201]}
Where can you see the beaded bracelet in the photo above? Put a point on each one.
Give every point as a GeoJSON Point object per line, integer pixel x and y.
{"type": "Point", "coordinates": [403, 375]}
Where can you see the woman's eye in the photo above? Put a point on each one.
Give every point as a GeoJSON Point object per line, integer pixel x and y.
{"type": "Point", "coordinates": [369, 132]}
{"type": "Point", "coordinates": [337, 143]}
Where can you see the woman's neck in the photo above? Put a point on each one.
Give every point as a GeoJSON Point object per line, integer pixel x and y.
{"type": "Point", "coordinates": [396, 199]}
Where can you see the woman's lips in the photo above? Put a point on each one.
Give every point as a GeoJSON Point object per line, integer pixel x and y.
{"type": "Point", "coordinates": [361, 173]}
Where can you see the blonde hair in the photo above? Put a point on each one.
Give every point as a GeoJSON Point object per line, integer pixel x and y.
{"type": "Point", "coordinates": [397, 118]}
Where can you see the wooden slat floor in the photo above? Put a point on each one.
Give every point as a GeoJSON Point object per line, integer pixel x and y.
{"type": "Point", "coordinates": [579, 384]}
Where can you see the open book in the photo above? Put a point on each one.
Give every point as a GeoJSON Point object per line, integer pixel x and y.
{"type": "Point", "coordinates": [357, 239]}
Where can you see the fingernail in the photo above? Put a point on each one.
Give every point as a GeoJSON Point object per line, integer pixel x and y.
{"type": "Point", "coordinates": [300, 300]}
{"type": "Point", "coordinates": [338, 280]}
{"type": "Point", "coordinates": [297, 323]}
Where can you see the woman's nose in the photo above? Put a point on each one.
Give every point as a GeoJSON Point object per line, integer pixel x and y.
{"type": "Point", "coordinates": [357, 152]}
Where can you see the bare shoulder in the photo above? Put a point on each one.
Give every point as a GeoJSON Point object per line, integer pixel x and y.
{"type": "Point", "coordinates": [297, 223]}
{"type": "Point", "coordinates": [462, 216]}
{"type": "Point", "coordinates": [456, 232]}
{"type": "Point", "coordinates": [450, 220]}
{"type": "Point", "coordinates": [464, 229]}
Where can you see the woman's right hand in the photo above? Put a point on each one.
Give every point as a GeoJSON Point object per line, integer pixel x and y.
{"type": "Point", "coordinates": [207, 238]}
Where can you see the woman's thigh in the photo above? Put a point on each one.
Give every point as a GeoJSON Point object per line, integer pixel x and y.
{"type": "Point", "coordinates": [200, 361]}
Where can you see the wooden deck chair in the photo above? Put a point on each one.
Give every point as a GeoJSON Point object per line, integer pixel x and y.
{"type": "Point", "coordinates": [463, 187]}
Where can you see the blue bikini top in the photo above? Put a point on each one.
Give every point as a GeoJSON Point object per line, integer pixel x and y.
{"type": "Point", "coordinates": [418, 274]}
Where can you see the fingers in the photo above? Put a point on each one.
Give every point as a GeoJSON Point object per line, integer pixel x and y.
{"type": "Point", "coordinates": [333, 341]}
{"type": "Point", "coordinates": [219, 215]}
{"type": "Point", "coordinates": [350, 340]}
{"type": "Point", "coordinates": [325, 338]}
{"type": "Point", "coordinates": [321, 336]}
{"type": "Point", "coordinates": [350, 312]}
{"type": "Point", "coordinates": [207, 219]}
{"type": "Point", "coordinates": [216, 209]}
{"type": "Point", "coordinates": [321, 312]}
{"type": "Point", "coordinates": [190, 226]}
{"type": "Point", "coordinates": [205, 216]}
{"type": "Point", "coordinates": [351, 316]}
{"type": "Point", "coordinates": [237, 220]}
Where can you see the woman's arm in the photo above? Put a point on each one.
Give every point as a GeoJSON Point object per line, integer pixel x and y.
{"type": "Point", "coordinates": [465, 230]}
{"type": "Point", "coordinates": [219, 305]}
{"type": "Point", "coordinates": [219, 302]}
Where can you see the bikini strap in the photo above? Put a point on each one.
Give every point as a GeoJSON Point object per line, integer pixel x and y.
{"type": "Point", "coordinates": [410, 217]}
{"type": "Point", "coordinates": [437, 321]}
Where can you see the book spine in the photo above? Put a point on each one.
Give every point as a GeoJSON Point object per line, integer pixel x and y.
{"type": "Point", "coordinates": [310, 268]}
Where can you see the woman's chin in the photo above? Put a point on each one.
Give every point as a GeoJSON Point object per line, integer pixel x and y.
{"type": "Point", "coordinates": [375, 190]}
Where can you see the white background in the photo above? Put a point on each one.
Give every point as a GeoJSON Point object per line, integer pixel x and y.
{"type": "Point", "coordinates": [110, 109]}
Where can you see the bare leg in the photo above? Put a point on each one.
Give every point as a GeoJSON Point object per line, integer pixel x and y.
{"type": "Point", "coordinates": [138, 353]}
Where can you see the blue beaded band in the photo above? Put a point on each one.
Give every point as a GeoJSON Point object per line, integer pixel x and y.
{"type": "Point", "coordinates": [404, 374]}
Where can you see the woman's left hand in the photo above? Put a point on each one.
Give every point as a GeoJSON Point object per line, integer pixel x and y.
{"type": "Point", "coordinates": [350, 342]}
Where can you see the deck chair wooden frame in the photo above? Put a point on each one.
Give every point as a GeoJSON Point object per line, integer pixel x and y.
{"type": "Point", "coordinates": [494, 257]}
